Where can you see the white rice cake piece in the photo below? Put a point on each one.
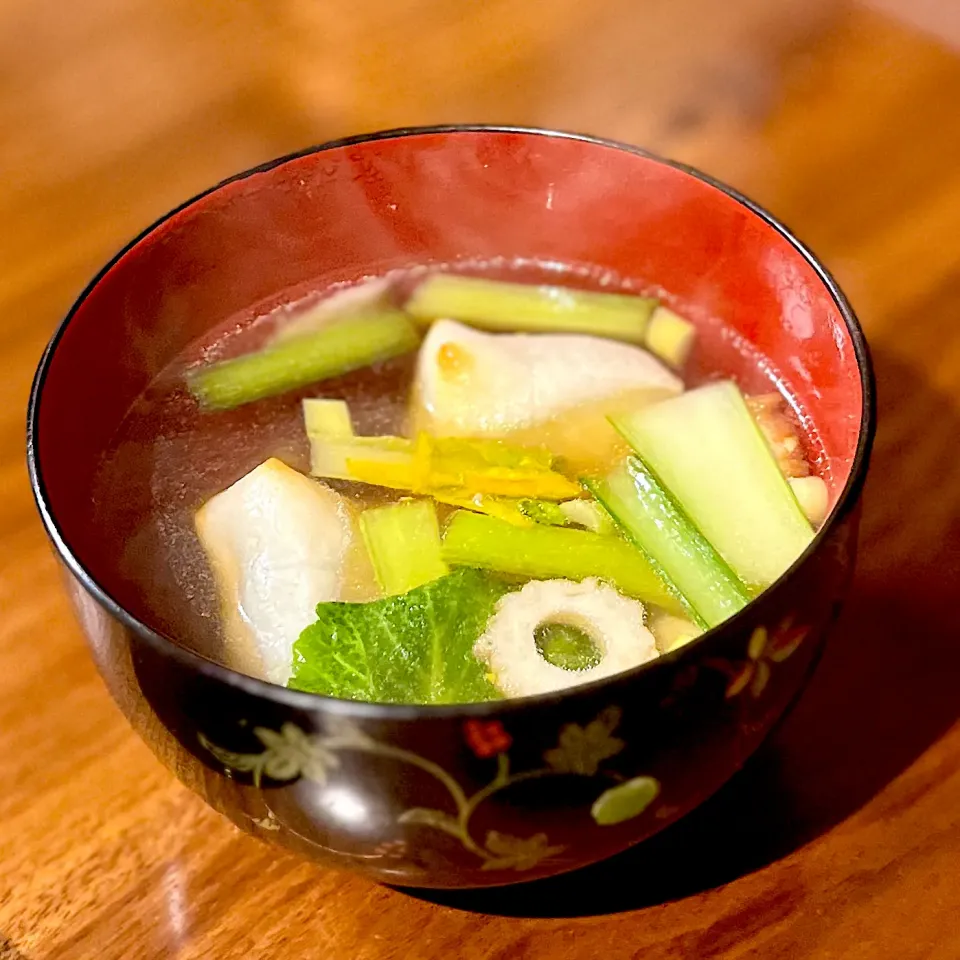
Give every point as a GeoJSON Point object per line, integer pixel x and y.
{"type": "Point", "coordinates": [470, 382]}
{"type": "Point", "coordinates": [550, 388]}
{"type": "Point", "coordinates": [278, 544]}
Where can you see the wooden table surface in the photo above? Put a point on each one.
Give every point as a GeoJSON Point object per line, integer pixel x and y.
{"type": "Point", "coordinates": [842, 838]}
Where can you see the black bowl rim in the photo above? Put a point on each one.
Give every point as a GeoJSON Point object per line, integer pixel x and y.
{"type": "Point", "coordinates": [308, 702]}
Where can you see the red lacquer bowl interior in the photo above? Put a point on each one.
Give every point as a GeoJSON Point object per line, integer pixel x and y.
{"type": "Point", "coordinates": [371, 205]}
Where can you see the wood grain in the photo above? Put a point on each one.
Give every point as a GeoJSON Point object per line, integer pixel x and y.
{"type": "Point", "coordinates": [842, 838]}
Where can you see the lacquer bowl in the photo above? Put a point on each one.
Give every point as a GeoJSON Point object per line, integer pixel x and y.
{"type": "Point", "coordinates": [494, 793]}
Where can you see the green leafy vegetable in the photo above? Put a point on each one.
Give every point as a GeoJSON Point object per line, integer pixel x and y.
{"type": "Point", "coordinates": [454, 469]}
{"type": "Point", "coordinates": [590, 515]}
{"type": "Point", "coordinates": [403, 540]}
{"type": "Point", "coordinates": [327, 419]}
{"type": "Point", "coordinates": [566, 646]}
{"type": "Point", "coordinates": [331, 458]}
{"type": "Point", "coordinates": [670, 337]}
{"type": "Point", "coordinates": [495, 305]}
{"type": "Point", "coordinates": [331, 351]}
{"type": "Point", "coordinates": [504, 508]}
{"type": "Point", "coordinates": [545, 552]}
{"type": "Point", "coordinates": [523, 511]}
{"type": "Point", "coordinates": [414, 648]}
{"type": "Point", "coordinates": [576, 513]}
{"type": "Point", "coordinates": [333, 443]}
{"type": "Point", "coordinates": [543, 511]}
{"type": "Point", "coordinates": [659, 527]}
{"type": "Point", "coordinates": [707, 450]}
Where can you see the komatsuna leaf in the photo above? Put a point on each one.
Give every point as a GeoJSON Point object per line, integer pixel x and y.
{"type": "Point", "coordinates": [413, 648]}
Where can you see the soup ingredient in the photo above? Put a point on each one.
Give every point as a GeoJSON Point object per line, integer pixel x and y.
{"type": "Point", "coordinates": [496, 305]}
{"type": "Point", "coordinates": [509, 644]}
{"type": "Point", "coordinates": [526, 512]}
{"type": "Point", "coordinates": [590, 515]}
{"type": "Point", "coordinates": [512, 307]}
{"type": "Point", "coordinates": [412, 648]}
{"type": "Point", "coordinates": [277, 543]}
{"type": "Point", "coordinates": [648, 515]}
{"type": "Point", "coordinates": [490, 466]}
{"type": "Point", "coordinates": [576, 513]}
{"type": "Point", "coordinates": [566, 646]}
{"type": "Point", "coordinates": [403, 540]}
{"type": "Point", "coordinates": [706, 450]}
{"type": "Point", "coordinates": [329, 352]}
{"type": "Point", "coordinates": [813, 497]}
{"type": "Point", "coordinates": [523, 512]}
{"type": "Point", "coordinates": [671, 632]}
{"type": "Point", "coordinates": [333, 442]}
{"type": "Point", "coordinates": [363, 298]}
{"type": "Point", "coordinates": [545, 552]}
{"type": "Point", "coordinates": [543, 511]}
{"type": "Point", "coordinates": [670, 337]}
{"type": "Point", "coordinates": [504, 508]}
{"type": "Point", "coordinates": [770, 412]}
{"type": "Point", "coordinates": [335, 459]}
{"type": "Point", "coordinates": [474, 384]}
{"type": "Point", "coordinates": [327, 419]}
{"type": "Point", "coordinates": [331, 459]}
{"type": "Point", "coordinates": [447, 466]}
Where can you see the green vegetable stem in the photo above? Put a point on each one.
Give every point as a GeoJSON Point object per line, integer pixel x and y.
{"type": "Point", "coordinates": [334, 350]}
{"type": "Point", "coordinates": [495, 305]}
{"type": "Point", "coordinates": [403, 540]}
{"type": "Point", "coordinates": [545, 552]}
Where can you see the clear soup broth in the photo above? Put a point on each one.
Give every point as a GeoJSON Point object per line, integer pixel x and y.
{"type": "Point", "coordinates": [192, 454]}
